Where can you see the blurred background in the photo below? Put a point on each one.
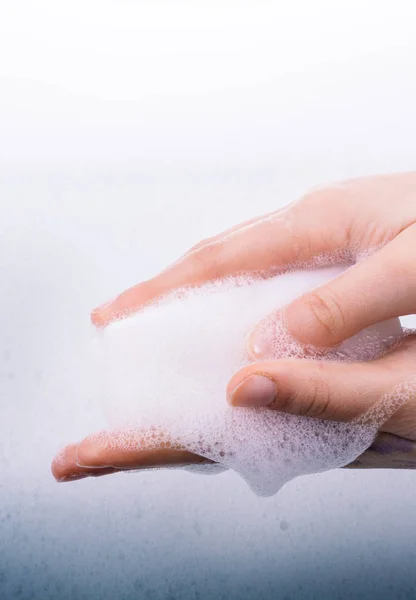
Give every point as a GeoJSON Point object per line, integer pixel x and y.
{"type": "Point", "coordinates": [129, 131]}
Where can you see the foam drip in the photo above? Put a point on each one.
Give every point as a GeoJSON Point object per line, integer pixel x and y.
{"type": "Point", "coordinates": [165, 372]}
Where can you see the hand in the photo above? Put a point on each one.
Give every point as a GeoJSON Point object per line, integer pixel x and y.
{"type": "Point", "coordinates": [372, 221]}
{"type": "Point", "coordinates": [347, 389]}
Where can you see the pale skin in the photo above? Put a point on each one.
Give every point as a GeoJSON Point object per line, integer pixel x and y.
{"type": "Point", "coordinates": [373, 216]}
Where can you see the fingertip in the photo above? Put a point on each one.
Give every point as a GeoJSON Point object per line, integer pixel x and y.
{"type": "Point", "coordinates": [56, 469]}
{"type": "Point", "coordinates": [102, 315]}
{"type": "Point", "coordinates": [257, 344]}
{"type": "Point", "coordinates": [96, 319]}
{"type": "Point", "coordinates": [235, 381]}
{"type": "Point", "coordinates": [63, 467]}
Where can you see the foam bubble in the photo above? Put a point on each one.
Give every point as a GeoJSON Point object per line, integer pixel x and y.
{"type": "Point", "coordinates": [165, 372]}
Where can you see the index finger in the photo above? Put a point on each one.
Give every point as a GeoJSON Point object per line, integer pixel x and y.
{"type": "Point", "coordinates": [265, 245]}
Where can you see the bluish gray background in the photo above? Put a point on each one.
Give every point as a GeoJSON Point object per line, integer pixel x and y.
{"type": "Point", "coordinates": [127, 133]}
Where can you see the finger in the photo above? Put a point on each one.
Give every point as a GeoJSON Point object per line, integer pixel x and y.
{"type": "Point", "coordinates": [110, 452]}
{"type": "Point", "coordinates": [226, 232]}
{"type": "Point", "coordinates": [377, 289]}
{"type": "Point", "coordinates": [64, 467]}
{"type": "Point", "coordinates": [387, 452]}
{"type": "Point", "coordinates": [132, 449]}
{"type": "Point", "coordinates": [144, 292]}
{"type": "Point", "coordinates": [333, 390]}
{"type": "Point", "coordinates": [270, 243]}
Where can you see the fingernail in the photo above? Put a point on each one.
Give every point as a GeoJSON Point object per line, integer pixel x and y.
{"type": "Point", "coordinates": [87, 458]}
{"type": "Point", "coordinates": [258, 344]}
{"type": "Point", "coordinates": [255, 391]}
{"type": "Point", "coordinates": [74, 477]}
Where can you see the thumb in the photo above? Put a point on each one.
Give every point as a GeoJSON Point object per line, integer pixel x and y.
{"type": "Point", "coordinates": [325, 389]}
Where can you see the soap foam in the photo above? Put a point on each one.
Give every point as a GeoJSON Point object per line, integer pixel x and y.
{"type": "Point", "coordinates": [165, 372]}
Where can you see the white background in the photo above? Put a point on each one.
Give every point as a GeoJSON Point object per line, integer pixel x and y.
{"type": "Point", "coordinates": [128, 131]}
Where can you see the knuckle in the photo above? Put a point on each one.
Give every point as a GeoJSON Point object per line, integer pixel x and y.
{"type": "Point", "coordinates": [206, 261]}
{"type": "Point", "coordinates": [308, 398]}
{"type": "Point", "coordinates": [328, 194]}
{"type": "Point", "coordinates": [327, 312]}
{"type": "Point", "coordinates": [318, 399]}
{"type": "Point", "coordinates": [315, 197]}
{"type": "Point", "coordinates": [328, 204]}
{"type": "Point", "coordinates": [199, 245]}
